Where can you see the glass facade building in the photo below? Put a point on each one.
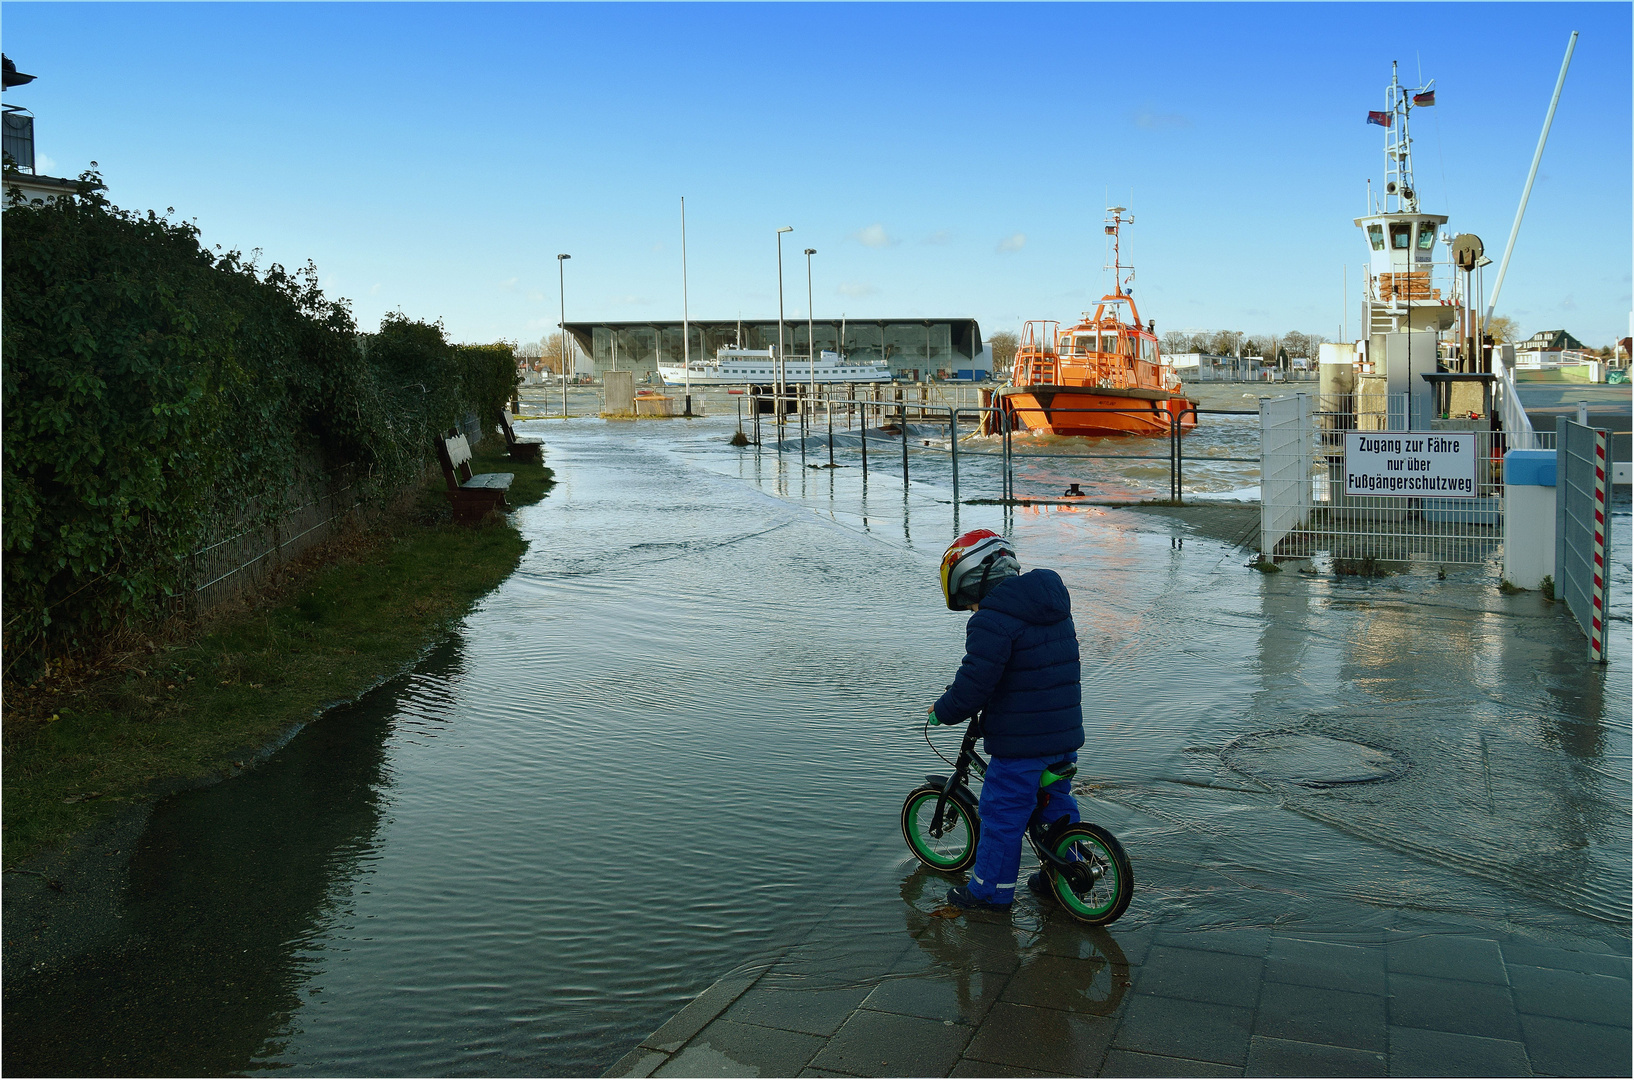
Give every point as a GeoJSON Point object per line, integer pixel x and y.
{"type": "Point", "coordinates": [915, 349]}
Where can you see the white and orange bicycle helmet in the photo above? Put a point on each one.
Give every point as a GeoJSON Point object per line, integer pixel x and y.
{"type": "Point", "coordinates": [974, 563]}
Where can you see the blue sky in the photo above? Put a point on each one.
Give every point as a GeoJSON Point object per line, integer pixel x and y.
{"type": "Point", "coordinates": [942, 159]}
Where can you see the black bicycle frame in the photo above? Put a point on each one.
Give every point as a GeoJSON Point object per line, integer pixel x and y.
{"type": "Point", "coordinates": [968, 758]}
{"type": "Point", "coordinates": [962, 765]}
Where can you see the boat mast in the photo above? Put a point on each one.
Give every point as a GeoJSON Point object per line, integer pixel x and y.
{"type": "Point", "coordinates": [1398, 146]}
{"type": "Point", "coordinates": [1115, 222]}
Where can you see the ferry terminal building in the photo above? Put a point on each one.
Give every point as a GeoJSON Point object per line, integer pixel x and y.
{"type": "Point", "coordinates": [915, 349]}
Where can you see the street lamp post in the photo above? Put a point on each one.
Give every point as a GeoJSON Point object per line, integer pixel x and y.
{"type": "Point", "coordinates": [811, 341]}
{"type": "Point", "coordinates": [780, 232]}
{"type": "Point", "coordinates": [561, 292]}
{"type": "Point", "coordinates": [686, 335]}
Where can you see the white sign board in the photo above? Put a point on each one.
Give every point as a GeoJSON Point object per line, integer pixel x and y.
{"type": "Point", "coordinates": [1423, 464]}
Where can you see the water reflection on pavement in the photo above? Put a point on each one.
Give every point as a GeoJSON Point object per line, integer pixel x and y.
{"type": "Point", "coordinates": [675, 743]}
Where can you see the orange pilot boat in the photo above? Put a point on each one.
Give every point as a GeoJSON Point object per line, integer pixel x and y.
{"type": "Point", "coordinates": [1107, 361]}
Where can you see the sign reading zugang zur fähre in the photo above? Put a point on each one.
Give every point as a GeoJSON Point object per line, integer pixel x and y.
{"type": "Point", "coordinates": [1431, 464]}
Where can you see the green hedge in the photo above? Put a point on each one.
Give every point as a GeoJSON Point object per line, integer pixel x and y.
{"type": "Point", "coordinates": [155, 394]}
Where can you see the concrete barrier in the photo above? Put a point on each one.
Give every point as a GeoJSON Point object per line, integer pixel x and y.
{"type": "Point", "coordinates": [620, 391]}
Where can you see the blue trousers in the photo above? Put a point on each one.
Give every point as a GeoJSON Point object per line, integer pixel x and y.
{"type": "Point", "coordinates": [1009, 794]}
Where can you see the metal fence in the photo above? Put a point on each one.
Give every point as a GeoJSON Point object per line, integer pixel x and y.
{"type": "Point", "coordinates": [1304, 510]}
{"type": "Point", "coordinates": [1258, 375]}
{"type": "Point", "coordinates": [1286, 464]}
{"type": "Point", "coordinates": [243, 557]}
{"type": "Point", "coordinates": [1583, 528]}
{"type": "Point", "coordinates": [314, 508]}
{"type": "Point", "coordinates": [798, 415]}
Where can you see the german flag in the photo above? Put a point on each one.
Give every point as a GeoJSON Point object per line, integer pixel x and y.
{"type": "Point", "coordinates": [1426, 98]}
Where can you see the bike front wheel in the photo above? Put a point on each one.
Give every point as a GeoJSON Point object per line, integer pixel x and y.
{"type": "Point", "coordinates": [1100, 892]}
{"type": "Point", "coordinates": [955, 849]}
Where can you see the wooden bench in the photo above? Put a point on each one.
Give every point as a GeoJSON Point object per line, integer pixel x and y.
{"type": "Point", "coordinates": [519, 449]}
{"type": "Point", "coordinates": [472, 497]}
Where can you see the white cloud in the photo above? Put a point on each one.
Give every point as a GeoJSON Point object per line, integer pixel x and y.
{"type": "Point", "coordinates": [939, 237]}
{"type": "Point", "coordinates": [44, 164]}
{"type": "Point", "coordinates": [374, 290]}
{"type": "Point", "coordinates": [856, 288]}
{"type": "Point", "coordinates": [1014, 242]}
{"type": "Point", "coordinates": [1568, 304]}
{"type": "Point", "coordinates": [873, 236]}
{"type": "Point", "coordinates": [1153, 121]}
{"type": "Point", "coordinates": [508, 285]}
{"type": "Point", "coordinates": [536, 297]}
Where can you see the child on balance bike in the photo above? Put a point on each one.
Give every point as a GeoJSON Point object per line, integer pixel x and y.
{"type": "Point", "coordinates": [1021, 672]}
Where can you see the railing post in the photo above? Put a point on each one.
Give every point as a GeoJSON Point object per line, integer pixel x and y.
{"type": "Point", "coordinates": [1180, 458]}
{"type": "Point", "coordinates": [1004, 428]}
{"type": "Point", "coordinates": [862, 430]}
{"type": "Point", "coordinates": [1173, 465]}
{"type": "Point", "coordinates": [830, 403]}
{"type": "Point", "coordinates": [903, 423]}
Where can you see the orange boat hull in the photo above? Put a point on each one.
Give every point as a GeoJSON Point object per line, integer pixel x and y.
{"type": "Point", "coordinates": [1053, 412]}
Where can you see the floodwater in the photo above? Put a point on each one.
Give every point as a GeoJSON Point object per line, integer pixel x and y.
{"type": "Point", "coordinates": [676, 741]}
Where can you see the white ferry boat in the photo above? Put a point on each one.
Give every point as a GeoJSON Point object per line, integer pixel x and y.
{"type": "Point", "coordinates": [740, 367]}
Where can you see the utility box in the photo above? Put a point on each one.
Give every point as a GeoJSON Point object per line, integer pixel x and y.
{"type": "Point", "coordinates": [1408, 357]}
{"type": "Point", "coordinates": [620, 389]}
{"type": "Point", "coordinates": [1336, 372]}
{"type": "Point", "coordinates": [1529, 517]}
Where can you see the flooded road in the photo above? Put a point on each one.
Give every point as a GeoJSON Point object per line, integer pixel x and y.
{"type": "Point", "coordinates": [679, 736]}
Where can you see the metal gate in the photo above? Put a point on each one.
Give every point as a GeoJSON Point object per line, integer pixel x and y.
{"type": "Point", "coordinates": [1304, 511]}
{"type": "Point", "coordinates": [1583, 528]}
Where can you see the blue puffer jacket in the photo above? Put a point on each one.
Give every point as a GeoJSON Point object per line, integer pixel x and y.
{"type": "Point", "coordinates": [1021, 670]}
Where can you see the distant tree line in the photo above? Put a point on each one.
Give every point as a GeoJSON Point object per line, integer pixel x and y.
{"type": "Point", "coordinates": [1272, 348]}
{"type": "Point", "coordinates": [157, 394]}
{"type": "Point", "coordinates": [544, 354]}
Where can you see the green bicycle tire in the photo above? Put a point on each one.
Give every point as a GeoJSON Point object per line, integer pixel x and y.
{"type": "Point", "coordinates": [948, 856]}
{"type": "Point", "coordinates": [1116, 886]}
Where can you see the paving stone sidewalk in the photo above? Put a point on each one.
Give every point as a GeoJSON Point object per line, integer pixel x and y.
{"type": "Point", "coordinates": [973, 997]}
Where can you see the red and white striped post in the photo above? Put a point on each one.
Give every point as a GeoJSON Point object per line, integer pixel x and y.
{"type": "Point", "coordinates": [1597, 595]}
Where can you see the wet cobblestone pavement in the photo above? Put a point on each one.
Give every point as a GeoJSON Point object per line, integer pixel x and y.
{"type": "Point", "coordinates": [1032, 994]}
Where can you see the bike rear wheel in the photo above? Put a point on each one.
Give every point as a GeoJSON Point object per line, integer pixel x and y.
{"type": "Point", "coordinates": [955, 849]}
{"type": "Point", "coordinates": [1103, 899]}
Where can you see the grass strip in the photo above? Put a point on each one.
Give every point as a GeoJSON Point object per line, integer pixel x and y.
{"type": "Point", "coordinates": [190, 705]}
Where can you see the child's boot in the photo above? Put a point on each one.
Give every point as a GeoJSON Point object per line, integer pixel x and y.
{"type": "Point", "coordinates": [963, 898]}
